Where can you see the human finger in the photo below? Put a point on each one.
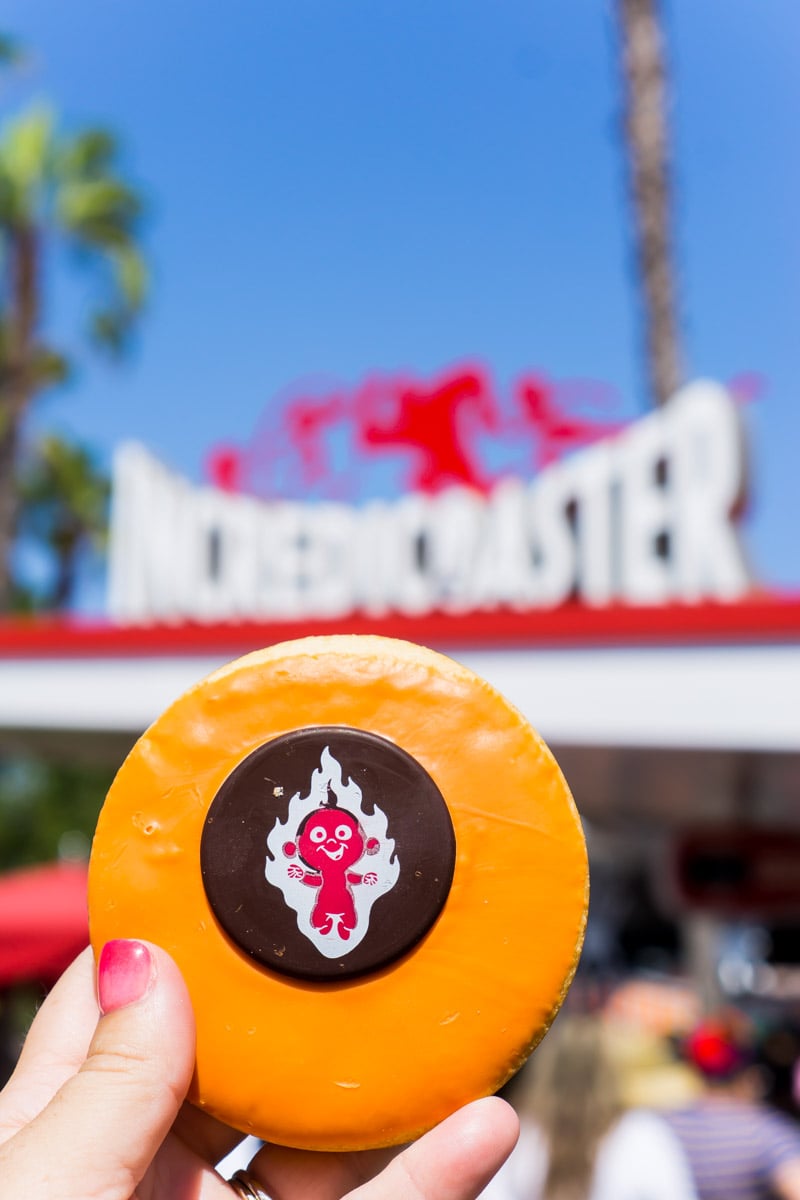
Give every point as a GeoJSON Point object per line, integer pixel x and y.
{"type": "Point", "coordinates": [205, 1135]}
{"type": "Point", "coordinates": [313, 1175]}
{"type": "Point", "coordinates": [177, 1173]}
{"type": "Point", "coordinates": [454, 1161]}
{"type": "Point", "coordinates": [56, 1045]}
{"type": "Point", "coordinates": [103, 1127]}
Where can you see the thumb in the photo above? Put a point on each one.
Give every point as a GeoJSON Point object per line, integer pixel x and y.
{"type": "Point", "coordinates": [101, 1130]}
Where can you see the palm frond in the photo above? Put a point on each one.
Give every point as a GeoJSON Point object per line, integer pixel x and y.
{"type": "Point", "coordinates": [85, 155]}
{"type": "Point", "coordinates": [109, 328]}
{"type": "Point", "coordinates": [111, 324]}
{"type": "Point", "coordinates": [131, 276]}
{"type": "Point", "coordinates": [104, 206]}
{"type": "Point", "coordinates": [49, 367]}
{"type": "Point", "coordinates": [65, 496]}
{"type": "Point", "coordinates": [25, 146]}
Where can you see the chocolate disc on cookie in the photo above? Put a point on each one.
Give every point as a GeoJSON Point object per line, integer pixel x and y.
{"type": "Point", "coordinates": [327, 853]}
{"type": "Point", "coordinates": [371, 873]}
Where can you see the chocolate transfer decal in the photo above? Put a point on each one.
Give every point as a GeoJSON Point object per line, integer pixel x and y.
{"type": "Point", "coordinates": [341, 860]}
{"type": "Point", "coordinates": [327, 853]}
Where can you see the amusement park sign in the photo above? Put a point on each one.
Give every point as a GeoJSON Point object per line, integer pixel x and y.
{"type": "Point", "coordinates": [642, 512]}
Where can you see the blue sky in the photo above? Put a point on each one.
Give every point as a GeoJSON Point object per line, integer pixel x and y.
{"type": "Point", "coordinates": [338, 188]}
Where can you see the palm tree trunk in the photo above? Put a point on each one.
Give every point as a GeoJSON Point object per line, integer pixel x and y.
{"type": "Point", "coordinates": [646, 133]}
{"type": "Point", "coordinates": [17, 386]}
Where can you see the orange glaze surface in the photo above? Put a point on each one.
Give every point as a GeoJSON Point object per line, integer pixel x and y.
{"type": "Point", "coordinates": [379, 1059]}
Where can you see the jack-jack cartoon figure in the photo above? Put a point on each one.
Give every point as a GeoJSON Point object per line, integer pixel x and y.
{"type": "Point", "coordinates": [329, 842]}
{"type": "Point", "coordinates": [326, 834]}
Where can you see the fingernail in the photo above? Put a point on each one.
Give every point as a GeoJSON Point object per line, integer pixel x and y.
{"type": "Point", "coordinates": [124, 974]}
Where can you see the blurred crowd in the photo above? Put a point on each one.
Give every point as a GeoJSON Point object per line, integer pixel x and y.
{"type": "Point", "coordinates": [644, 1098]}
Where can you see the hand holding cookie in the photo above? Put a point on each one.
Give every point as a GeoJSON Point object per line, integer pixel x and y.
{"type": "Point", "coordinates": [95, 1109]}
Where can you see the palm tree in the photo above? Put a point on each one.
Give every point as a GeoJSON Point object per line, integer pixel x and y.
{"type": "Point", "coordinates": [646, 132]}
{"type": "Point", "coordinates": [64, 498]}
{"type": "Point", "coordinates": [56, 189]}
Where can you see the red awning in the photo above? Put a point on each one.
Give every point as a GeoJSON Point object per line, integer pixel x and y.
{"type": "Point", "coordinates": [43, 921]}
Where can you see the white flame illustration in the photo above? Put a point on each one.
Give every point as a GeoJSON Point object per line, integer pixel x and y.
{"type": "Point", "coordinates": [302, 898]}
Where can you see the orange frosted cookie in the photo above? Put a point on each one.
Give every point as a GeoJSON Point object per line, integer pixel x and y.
{"type": "Point", "coordinates": [371, 873]}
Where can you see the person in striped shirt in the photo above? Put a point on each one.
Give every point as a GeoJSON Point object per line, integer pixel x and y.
{"type": "Point", "coordinates": [737, 1147]}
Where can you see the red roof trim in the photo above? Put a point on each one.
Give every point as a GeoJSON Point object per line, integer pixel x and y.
{"type": "Point", "coordinates": [759, 620]}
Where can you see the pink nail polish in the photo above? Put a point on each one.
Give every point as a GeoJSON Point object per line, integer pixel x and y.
{"type": "Point", "coordinates": [124, 974]}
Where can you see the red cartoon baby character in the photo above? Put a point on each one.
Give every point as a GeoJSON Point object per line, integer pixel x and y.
{"type": "Point", "coordinates": [329, 841]}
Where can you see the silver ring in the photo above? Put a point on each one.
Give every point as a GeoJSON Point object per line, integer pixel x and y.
{"type": "Point", "coordinates": [247, 1187]}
